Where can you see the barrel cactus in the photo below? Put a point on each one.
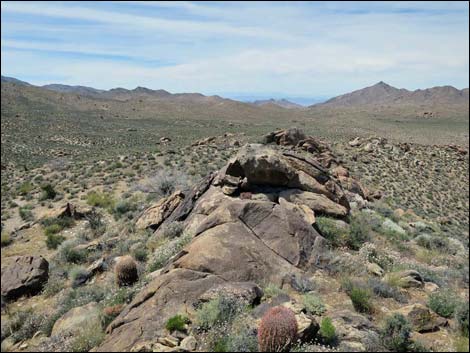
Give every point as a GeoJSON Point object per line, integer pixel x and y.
{"type": "Point", "coordinates": [126, 271]}
{"type": "Point", "coordinates": [278, 330]}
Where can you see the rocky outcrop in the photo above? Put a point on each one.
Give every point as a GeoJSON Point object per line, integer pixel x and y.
{"type": "Point", "coordinates": [421, 318]}
{"type": "Point", "coordinates": [252, 223]}
{"type": "Point", "coordinates": [154, 216]}
{"type": "Point", "coordinates": [25, 276]}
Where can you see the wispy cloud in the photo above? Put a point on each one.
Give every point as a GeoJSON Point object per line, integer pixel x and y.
{"type": "Point", "coordinates": [300, 48]}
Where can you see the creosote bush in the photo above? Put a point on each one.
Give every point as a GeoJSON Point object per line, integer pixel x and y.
{"type": "Point", "coordinates": [277, 331]}
{"type": "Point", "coordinates": [177, 323]}
{"type": "Point", "coordinates": [396, 333]}
{"type": "Point", "coordinates": [443, 303]}
{"type": "Point", "coordinates": [126, 271]}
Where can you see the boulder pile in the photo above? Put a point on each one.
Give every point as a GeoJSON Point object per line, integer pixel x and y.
{"type": "Point", "coordinates": [251, 223]}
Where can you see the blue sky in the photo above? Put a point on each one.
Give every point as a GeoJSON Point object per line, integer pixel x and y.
{"type": "Point", "coordinates": [259, 49]}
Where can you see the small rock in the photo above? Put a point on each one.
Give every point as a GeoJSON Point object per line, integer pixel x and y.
{"type": "Point", "coordinates": [430, 287]}
{"type": "Point", "coordinates": [168, 341]}
{"type": "Point", "coordinates": [189, 343]}
{"type": "Point", "coordinates": [375, 269]}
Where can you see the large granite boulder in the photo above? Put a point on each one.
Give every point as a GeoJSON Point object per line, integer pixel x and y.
{"type": "Point", "coordinates": [252, 223]}
{"type": "Point", "coordinates": [25, 276]}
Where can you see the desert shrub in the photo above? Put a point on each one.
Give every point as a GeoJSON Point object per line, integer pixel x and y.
{"type": "Point", "coordinates": [140, 253]}
{"type": "Point", "coordinates": [271, 291]}
{"type": "Point", "coordinates": [48, 192]}
{"type": "Point", "coordinates": [396, 333]}
{"type": "Point", "coordinates": [74, 298]}
{"type": "Point", "coordinates": [385, 290]}
{"type": "Point", "coordinates": [54, 285]}
{"type": "Point", "coordinates": [177, 323]}
{"type": "Point", "coordinates": [123, 207]}
{"type": "Point", "coordinates": [328, 227]}
{"type": "Point", "coordinates": [218, 311]}
{"type": "Point", "coordinates": [443, 303]}
{"type": "Point", "coordinates": [462, 318]}
{"type": "Point", "coordinates": [359, 231]}
{"type": "Point", "coordinates": [6, 239]}
{"type": "Point", "coordinates": [370, 254]}
{"type": "Point", "coordinates": [173, 230]}
{"type": "Point", "coordinates": [78, 275]}
{"type": "Point", "coordinates": [313, 304]}
{"type": "Point", "coordinates": [28, 323]}
{"type": "Point", "coordinates": [100, 199]}
{"type": "Point", "coordinates": [67, 253]}
{"type": "Point", "coordinates": [96, 224]}
{"type": "Point", "coordinates": [301, 283]}
{"type": "Point", "coordinates": [54, 240]}
{"type": "Point", "coordinates": [241, 336]}
{"type": "Point", "coordinates": [126, 271]}
{"type": "Point", "coordinates": [434, 242]}
{"type": "Point", "coordinates": [359, 294]}
{"type": "Point", "coordinates": [164, 253]}
{"type": "Point", "coordinates": [25, 213]}
{"type": "Point", "coordinates": [88, 339]}
{"type": "Point", "coordinates": [52, 226]}
{"type": "Point", "coordinates": [25, 188]}
{"type": "Point", "coordinates": [327, 332]}
{"type": "Point", "coordinates": [383, 209]}
{"type": "Point", "coordinates": [277, 330]}
{"type": "Point", "coordinates": [461, 344]}
{"type": "Point", "coordinates": [164, 183]}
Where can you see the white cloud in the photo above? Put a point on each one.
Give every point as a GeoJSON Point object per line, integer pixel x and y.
{"type": "Point", "coordinates": [256, 48]}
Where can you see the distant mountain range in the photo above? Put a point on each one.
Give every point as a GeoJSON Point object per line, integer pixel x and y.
{"type": "Point", "coordinates": [279, 102]}
{"type": "Point", "coordinates": [382, 94]}
{"type": "Point", "coordinates": [377, 96]}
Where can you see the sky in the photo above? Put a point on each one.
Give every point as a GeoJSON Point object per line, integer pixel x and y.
{"type": "Point", "coordinates": [306, 50]}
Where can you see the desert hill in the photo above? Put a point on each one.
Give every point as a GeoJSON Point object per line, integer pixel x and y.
{"type": "Point", "coordinates": [384, 94]}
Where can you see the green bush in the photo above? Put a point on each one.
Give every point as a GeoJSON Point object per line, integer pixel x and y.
{"type": "Point", "coordinates": [88, 339]}
{"type": "Point", "coordinates": [25, 188]}
{"type": "Point", "coordinates": [396, 333]}
{"type": "Point", "coordinates": [328, 227]}
{"type": "Point", "coordinates": [217, 311]}
{"type": "Point", "coordinates": [53, 241]}
{"type": "Point", "coordinates": [25, 213]}
{"type": "Point", "coordinates": [462, 318]}
{"type": "Point", "coordinates": [6, 239]}
{"type": "Point", "coordinates": [67, 253]}
{"type": "Point", "coordinates": [140, 253]}
{"type": "Point", "coordinates": [313, 304]}
{"type": "Point", "coordinates": [176, 323]}
{"type": "Point", "coordinates": [359, 294]}
{"type": "Point", "coordinates": [327, 331]}
{"type": "Point", "coordinates": [48, 192]}
{"type": "Point", "coordinates": [443, 303]}
{"type": "Point", "coordinates": [100, 199]}
{"type": "Point", "coordinates": [272, 291]}
{"type": "Point", "coordinates": [27, 325]}
{"type": "Point", "coordinates": [359, 233]}
{"type": "Point", "coordinates": [78, 275]}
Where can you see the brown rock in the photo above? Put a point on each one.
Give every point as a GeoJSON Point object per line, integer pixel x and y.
{"type": "Point", "coordinates": [154, 216]}
{"type": "Point", "coordinates": [318, 203]}
{"type": "Point", "coordinates": [26, 276]}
